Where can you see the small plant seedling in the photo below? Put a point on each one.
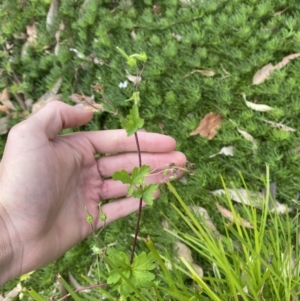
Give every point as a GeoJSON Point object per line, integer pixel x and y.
{"type": "Point", "coordinates": [136, 270]}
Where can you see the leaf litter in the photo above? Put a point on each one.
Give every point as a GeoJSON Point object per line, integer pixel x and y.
{"type": "Point", "coordinates": [280, 126]}
{"type": "Point", "coordinates": [182, 250]}
{"type": "Point", "coordinates": [228, 215]}
{"type": "Point", "coordinates": [208, 126]}
{"type": "Point", "coordinates": [256, 107]}
{"type": "Point", "coordinates": [265, 72]}
{"type": "Point", "coordinates": [226, 151]}
{"type": "Point", "coordinates": [88, 102]}
{"type": "Point", "coordinates": [52, 15]}
{"type": "Point", "coordinates": [5, 100]}
{"type": "Point", "coordinates": [208, 73]}
{"type": "Point", "coordinates": [255, 199]}
{"type": "Point", "coordinates": [3, 125]}
{"type": "Point", "coordinates": [47, 97]}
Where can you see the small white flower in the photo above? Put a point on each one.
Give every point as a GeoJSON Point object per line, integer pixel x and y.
{"type": "Point", "coordinates": [123, 85]}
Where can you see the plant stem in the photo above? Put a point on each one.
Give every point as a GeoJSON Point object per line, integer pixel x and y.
{"type": "Point", "coordinates": [140, 204]}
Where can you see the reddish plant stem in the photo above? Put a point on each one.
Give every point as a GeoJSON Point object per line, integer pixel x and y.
{"type": "Point", "coordinates": [140, 204]}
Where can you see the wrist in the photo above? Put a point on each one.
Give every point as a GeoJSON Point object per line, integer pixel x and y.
{"type": "Point", "coordinates": [10, 261]}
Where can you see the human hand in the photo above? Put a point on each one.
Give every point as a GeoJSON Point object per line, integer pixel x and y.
{"type": "Point", "coordinates": [46, 181]}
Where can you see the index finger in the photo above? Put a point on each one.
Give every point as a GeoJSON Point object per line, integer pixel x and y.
{"type": "Point", "coordinates": [116, 141]}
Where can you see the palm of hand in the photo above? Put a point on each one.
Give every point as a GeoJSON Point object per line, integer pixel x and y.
{"type": "Point", "coordinates": [46, 181]}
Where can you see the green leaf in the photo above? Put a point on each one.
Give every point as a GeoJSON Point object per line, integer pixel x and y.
{"type": "Point", "coordinates": [120, 259]}
{"type": "Point", "coordinates": [122, 176]}
{"type": "Point", "coordinates": [138, 174]}
{"type": "Point", "coordinates": [113, 278]}
{"type": "Point", "coordinates": [144, 262]}
{"type": "Point", "coordinates": [138, 273]}
{"type": "Point", "coordinates": [147, 193]}
{"type": "Point", "coordinates": [133, 121]}
{"type": "Point", "coordinates": [140, 270]}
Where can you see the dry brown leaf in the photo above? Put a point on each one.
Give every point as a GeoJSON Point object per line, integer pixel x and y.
{"type": "Point", "coordinates": [241, 195]}
{"type": "Point", "coordinates": [134, 79]}
{"type": "Point", "coordinates": [280, 12]}
{"type": "Point", "coordinates": [255, 106]}
{"type": "Point", "coordinates": [228, 215]}
{"type": "Point", "coordinates": [87, 102]}
{"type": "Point", "coordinates": [246, 135]}
{"type": "Point", "coordinates": [32, 33]}
{"type": "Point", "coordinates": [52, 92]}
{"type": "Point", "coordinates": [52, 14]}
{"type": "Point", "coordinates": [226, 151]}
{"type": "Point", "coordinates": [198, 269]}
{"type": "Point", "coordinates": [3, 125]}
{"type": "Point", "coordinates": [208, 126]}
{"type": "Point", "coordinates": [208, 73]}
{"type": "Point", "coordinates": [184, 251]}
{"type": "Point", "coordinates": [133, 35]}
{"type": "Point", "coordinates": [13, 293]}
{"type": "Point", "coordinates": [42, 102]}
{"type": "Point", "coordinates": [20, 36]}
{"type": "Point", "coordinates": [280, 126]}
{"type": "Point", "coordinates": [264, 73]}
{"type": "Point", "coordinates": [204, 214]}
{"type": "Point", "coordinates": [4, 99]}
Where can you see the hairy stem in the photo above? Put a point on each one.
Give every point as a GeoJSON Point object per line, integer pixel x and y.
{"type": "Point", "coordinates": [140, 204]}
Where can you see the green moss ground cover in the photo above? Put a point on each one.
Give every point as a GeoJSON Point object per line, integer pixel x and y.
{"type": "Point", "coordinates": [232, 38]}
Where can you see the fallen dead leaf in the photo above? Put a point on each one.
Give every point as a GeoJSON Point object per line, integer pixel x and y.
{"type": "Point", "coordinates": [200, 211]}
{"type": "Point", "coordinates": [256, 107]}
{"type": "Point", "coordinates": [198, 270]}
{"type": "Point", "coordinates": [208, 73]}
{"type": "Point", "coordinates": [41, 103]}
{"type": "Point", "coordinates": [280, 126]}
{"type": "Point", "coordinates": [134, 79]}
{"type": "Point", "coordinates": [246, 135]}
{"type": "Point", "coordinates": [228, 215]}
{"type": "Point", "coordinates": [32, 33]}
{"type": "Point", "coordinates": [208, 126]}
{"type": "Point", "coordinates": [226, 150]}
{"type": "Point", "coordinates": [12, 294]}
{"type": "Point", "coordinates": [241, 195]}
{"type": "Point", "coordinates": [184, 251]}
{"type": "Point", "coordinates": [53, 91]}
{"type": "Point", "coordinates": [265, 72]}
{"type": "Point", "coordinates": [47, 97]}
{"type": "Point", "coordinates": [87, 102]}
{"type": "Point", "coordinates": [133, 35]}
{"type": "Point", "coordinates": [255, 199]}
{"type": "Point", "coordinates": [5, 99]}
{"type": "Point", "coordinates": [75, 283]}
{"type": "Point", "coordinates": [3, 125]}
{"type": "Point", "coordinates": [20, 36]}
{"type": "Point", "coordinates": [52, 15]}
{"type": "Point", "coordinates": [280, 12]}
{"type": "Point", "coordinates": [250, 138]}
{"type": "Point", "coordinates": [57, 38]}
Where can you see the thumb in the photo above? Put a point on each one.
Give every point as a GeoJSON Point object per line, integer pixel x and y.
{"type": "Point", "coordinates": [57, 115]}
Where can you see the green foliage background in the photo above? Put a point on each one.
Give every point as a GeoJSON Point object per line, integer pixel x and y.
{"type": "Point", "coordinates": [227, 36]}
